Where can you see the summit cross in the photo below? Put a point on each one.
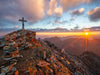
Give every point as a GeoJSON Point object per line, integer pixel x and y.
{"type": "Point", "coordinates": [22, 20]}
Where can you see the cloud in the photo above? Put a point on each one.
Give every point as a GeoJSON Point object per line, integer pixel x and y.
{"type": "Point", "coordinates": [16, 26]}
{"type": "Point", "coordinates": [11, 18]}
{"type": "Point", "coordinates": [77, 11]}
{"type": "Point", "coordinates": [66, 4]}
{"type": "Point", "coordinates": [59, 22]}
{"type": "Point", "coordinates": [58, 12]}
{"type": "Point", "coordinates": [73, 18]}
{"type": "Point", "coordinates": [8, 9]}
{"type": "Point", "coordinates": [94, 14]}
{"type": "Point", "coordinates": [76, 27]}
{"type": "Point", "coordinates": [33, 9]}
{"type": "Point", "coordinates": [53, 9]}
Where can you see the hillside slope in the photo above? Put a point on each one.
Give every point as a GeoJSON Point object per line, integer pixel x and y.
{"type": "Point", "coordinates": [92, 61]}
{"type": "Point", "coordinates": [25, 55]}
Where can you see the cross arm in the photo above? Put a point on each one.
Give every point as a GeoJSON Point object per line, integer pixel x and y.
{"type": "Point", "coordinates": [23, 20]}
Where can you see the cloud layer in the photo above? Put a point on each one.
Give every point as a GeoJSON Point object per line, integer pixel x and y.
{"type": "Point", "coordinates": [36, 10]}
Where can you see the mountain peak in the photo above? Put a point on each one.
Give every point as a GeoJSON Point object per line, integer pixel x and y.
{"type": "Point", "coordinates": [22, 53]}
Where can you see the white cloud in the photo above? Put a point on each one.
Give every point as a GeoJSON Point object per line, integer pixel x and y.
{"type": "Point", "coordinates": [81, 10]}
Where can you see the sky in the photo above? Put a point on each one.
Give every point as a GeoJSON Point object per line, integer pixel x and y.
{"type": "Point", "coordinates": [49, 14]}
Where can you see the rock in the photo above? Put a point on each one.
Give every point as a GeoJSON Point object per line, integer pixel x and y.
{"type": "Point", "coordinates": [6, 48]}
{"type": "Point", "coordinates": [43, 64]}
{"type": "Point", "coordinates": [2, 73]}
{"type": "Point", "coordinates": [77, 73]}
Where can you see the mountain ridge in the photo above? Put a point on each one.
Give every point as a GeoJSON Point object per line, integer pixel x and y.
{"type": "Point", "coordinates": [29, 56]}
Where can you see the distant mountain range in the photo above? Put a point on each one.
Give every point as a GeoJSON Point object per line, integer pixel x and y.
{"type": "Point", "coordinates": [76, 46]}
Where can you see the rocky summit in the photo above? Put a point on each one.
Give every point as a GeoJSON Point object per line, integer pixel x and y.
{"type": "Point", "coordinates": [22, 54]}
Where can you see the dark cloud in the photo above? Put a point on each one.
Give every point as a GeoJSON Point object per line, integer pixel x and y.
{"type": "Point", "coordinates": [94, 14]}
{"type": "Point", "coordinates": [77, 11]}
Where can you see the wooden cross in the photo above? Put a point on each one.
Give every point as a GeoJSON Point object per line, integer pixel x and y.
{"type": "Point", "coordinates": [22, 20]}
